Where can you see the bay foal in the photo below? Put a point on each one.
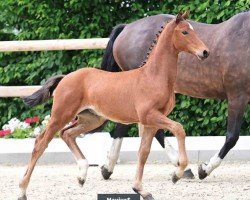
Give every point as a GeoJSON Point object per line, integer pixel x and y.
{"type": "Point", "coordinates": [144, 96]}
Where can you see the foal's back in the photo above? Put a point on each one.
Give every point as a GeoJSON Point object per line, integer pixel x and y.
{"type": "Point", "coordinates": [95, 89]}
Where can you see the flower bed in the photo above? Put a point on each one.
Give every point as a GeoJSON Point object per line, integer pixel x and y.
{"type": "Point", "coordinates": [30, 127]}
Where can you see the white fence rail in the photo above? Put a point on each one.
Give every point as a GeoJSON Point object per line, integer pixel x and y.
{"type": "Point", "coordinates": [52, 45]}
{"type": "Point", "coordinates": [44, 45]}
{"type": "Point", "coordinates": [17, 91]}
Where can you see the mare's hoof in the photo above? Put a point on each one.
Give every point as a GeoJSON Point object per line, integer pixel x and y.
{"type": "Point", "coordinates": [24, 197]}
{"type": "Point", "coordinates": [149, 197]}
{"type": "Point", "coordinates": [81, 182]}
{"type": "Point", "coordinates": [202, 173]}
{"type": "Point", "coordinates": [105, 173]}
{"type": "Point", "coordinates": [188, 174]}
{"type": "Point", "coordinates": [175, 178]}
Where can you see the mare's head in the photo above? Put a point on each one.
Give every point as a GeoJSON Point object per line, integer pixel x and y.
{"type": "Point", "coordinates": [185, 38]}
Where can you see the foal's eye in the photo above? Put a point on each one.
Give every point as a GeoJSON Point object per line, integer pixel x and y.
{"type": "Point", "coordinates": [184, 32]}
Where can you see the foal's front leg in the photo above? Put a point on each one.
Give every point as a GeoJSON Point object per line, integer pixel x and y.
{"type": "Point", "coordinates": [147, 134]}
{"type": "Point", "coordinates": [157, 119]}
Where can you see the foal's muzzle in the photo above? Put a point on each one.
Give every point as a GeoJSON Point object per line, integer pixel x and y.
{"type": "Point", "coordinates": [203, 54]}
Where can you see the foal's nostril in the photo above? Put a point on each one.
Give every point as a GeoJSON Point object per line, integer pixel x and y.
{"type": "Point", "coordinates": [205, 53]}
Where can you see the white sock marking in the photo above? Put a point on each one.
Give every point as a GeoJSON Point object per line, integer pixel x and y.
{"type": "Point", "coordinates": [22, 192]}
{"type": "Point", "coordinates": [214, 162]}
{"type": "Point", "coordinates": [83, 166]}
{"type": "Point", "coordinates": [179, 172]}
{"type": "Point", "coordinates": [171, 153]}
{"type": "Point", "coordinates": [113, 154]}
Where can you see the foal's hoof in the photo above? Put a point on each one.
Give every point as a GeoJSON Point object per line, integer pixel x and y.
{"type": "Point", "coordinates": [24, 197]}
{"type": "Point", "coordinates": [105, 173]}
{"type": "Point", "coordinates": [149, 197]}
{"type": "Point", "coordinates": [188, 174]}
{"type": "Point", "coordinates": [202, 173]}
{"type": "Point", "coordinates": [81, 181]}
{"type": "Point", "coordinates": [175, 178]}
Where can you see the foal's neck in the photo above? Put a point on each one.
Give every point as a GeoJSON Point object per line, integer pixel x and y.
{"type": "Point", "coordinates": [162, 61]}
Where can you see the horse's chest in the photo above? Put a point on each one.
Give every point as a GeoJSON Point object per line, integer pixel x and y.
{"type": "Point", "coordinates": [166, 105]}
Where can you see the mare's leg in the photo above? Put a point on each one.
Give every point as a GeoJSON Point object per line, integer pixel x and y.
{"type": "Point", "coordinates": [86, 121]}
{"type": "Point", "coordinates": [147, 135]}
{"type": "Point", "coordinates": [172, 154]}
{"type": "Point", "coordinates": [120, 131]}
{"type": "Point", "coordinates": [236, 108]}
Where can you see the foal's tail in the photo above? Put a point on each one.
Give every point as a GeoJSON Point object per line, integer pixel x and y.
{"type": "Point", "coordinates": [43, 94]}
{"type": "Point", "coordinates": [108, 61]}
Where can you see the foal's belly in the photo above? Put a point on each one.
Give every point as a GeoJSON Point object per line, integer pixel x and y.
{"type": "Point", "coordinates": [124, 117]}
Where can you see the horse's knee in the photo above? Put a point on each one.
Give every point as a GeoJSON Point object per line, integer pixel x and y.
{"type": "Point", "coordinates": [231, 140]}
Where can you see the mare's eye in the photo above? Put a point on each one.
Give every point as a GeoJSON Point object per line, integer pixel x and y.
{"type": "Point", "coordinates": [184, 32]}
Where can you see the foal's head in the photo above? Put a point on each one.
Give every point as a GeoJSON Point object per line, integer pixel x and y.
{"type": "Point", "coordinates": [185, 39]}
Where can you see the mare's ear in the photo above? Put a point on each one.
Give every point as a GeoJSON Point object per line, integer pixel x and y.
{"type": "Point", "coordinates": [186, 14]}
{"type": "Point", "coordinates": [179, 18]}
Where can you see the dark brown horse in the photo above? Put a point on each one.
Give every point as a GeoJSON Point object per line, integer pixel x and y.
{"type": "Point", "coordinates": [224, 75]}
{"type": "Point", "coordinates": [144, 96]}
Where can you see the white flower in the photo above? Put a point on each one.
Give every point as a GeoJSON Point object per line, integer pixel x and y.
{"type": "Point", "coordinates": [23, 125]}
{"type": "Point", "coordinates": [15, 123]}
{"type": "Point", "coordinates": [47, 117]}
{"type": "Point", "coordinates": [46, 120]}
{"type": "Point", "coordinates": [12, 125]}
{"type": "Point", "coordinates": [37, 131]}
{"type": "Point", "coordinates": [8, 127]}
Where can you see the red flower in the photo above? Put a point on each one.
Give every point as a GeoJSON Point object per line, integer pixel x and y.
{"type": "Point", "coordinates": [36, 119]}
{"type": "Point", "coordinates": [5, 132]}
{"type": "Point", "coordinates": [28, 120]}
{"type": "Point", "coordinates": [32, 120]}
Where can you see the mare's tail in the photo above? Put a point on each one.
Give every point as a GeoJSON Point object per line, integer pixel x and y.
{"type": "Point", "coordinates": [45, 93]}
{"type": "Point", "coordinates": [108, 61]}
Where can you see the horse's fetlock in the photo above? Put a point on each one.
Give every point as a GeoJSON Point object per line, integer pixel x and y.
{"type": "Point", "coordinates": [183, 163]}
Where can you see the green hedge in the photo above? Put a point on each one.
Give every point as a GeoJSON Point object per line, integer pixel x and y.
{"type": "Point", "coordinates": [46, 19]}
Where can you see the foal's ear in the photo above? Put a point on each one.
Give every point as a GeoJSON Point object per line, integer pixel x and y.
{"type": "Point", "coordinates": [186, 14]}
{"type": "Point", "coordinates": [179, 17]}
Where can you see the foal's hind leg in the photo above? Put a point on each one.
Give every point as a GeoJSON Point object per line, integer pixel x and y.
{"type": "Point", "coordinates": [41, 144]}
{"type": "Point", "coordinates": [86, 121]}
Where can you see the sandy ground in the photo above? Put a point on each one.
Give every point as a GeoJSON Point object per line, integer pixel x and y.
{"type": "Point", "coordinates": [230, 181]}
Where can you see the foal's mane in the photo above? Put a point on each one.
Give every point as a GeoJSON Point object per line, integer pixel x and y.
{"type": "Point", "coordinates": [153, 44]}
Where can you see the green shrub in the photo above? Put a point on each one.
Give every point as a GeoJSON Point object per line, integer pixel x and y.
{"type": "Point", "coordinates": [30, 20]}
